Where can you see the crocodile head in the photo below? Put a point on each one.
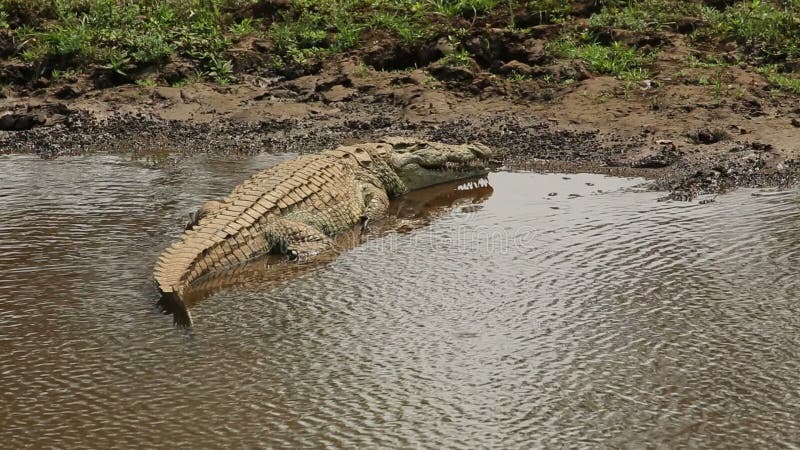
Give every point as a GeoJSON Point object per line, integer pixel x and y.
{"type": "Point", "coordinates": [419, 164]}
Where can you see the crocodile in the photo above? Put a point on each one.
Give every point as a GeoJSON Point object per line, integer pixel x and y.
{"type": "Point", "coordinates": [407, 213]}
{"type": "Point", "coordinates": [297, 208]}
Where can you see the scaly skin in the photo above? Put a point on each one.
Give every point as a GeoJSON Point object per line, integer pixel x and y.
{"type": "Point", "coordinates": [295, 207]}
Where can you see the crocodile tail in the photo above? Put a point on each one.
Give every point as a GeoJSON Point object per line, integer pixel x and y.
{"type": "Point", "coordinates": [171, 303]}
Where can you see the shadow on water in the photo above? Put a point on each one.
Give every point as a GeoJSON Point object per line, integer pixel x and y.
{"type": "Point", "coordinates": [406, 214]}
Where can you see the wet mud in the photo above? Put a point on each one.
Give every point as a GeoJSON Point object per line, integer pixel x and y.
{"type": "Point", "coordinates": [556, 115]}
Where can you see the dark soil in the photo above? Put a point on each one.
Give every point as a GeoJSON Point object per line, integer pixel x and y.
{"type": "Point", "coordinates": [552, 115]}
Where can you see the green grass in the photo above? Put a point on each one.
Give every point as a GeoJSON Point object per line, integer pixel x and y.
{"type": "Point", "coordinates": [123, 38]}
{"type": "Point", "coordinates": [118, 35]}
{"type": "Point", "coordinates": [147, 83]}
{"type": "Point", "coordinates": [784, 83]}
{"type": "Point", "coordinates": [616, 59]}
{"type": "Point", "coordinates": [648, 14]}
{"type": "Point", "coordinates": [768, 31]}
{"type": "Point", "coordinates": [405, 27]}
{"type": "Point", "coordinates": [705, 62]}
{"type": "Point", "coordinates": [248, 25]}
{"type": "Point", "coordinates": [781, 81]}
{"type": "Point", "coordinates": [453, 8]}
{"type": "Point", "coordinates": [460, 58]}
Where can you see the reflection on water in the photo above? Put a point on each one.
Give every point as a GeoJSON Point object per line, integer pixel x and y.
{"type": "Point", "coordinates": [405, 214]}
{"type": "Point", "coordinates": [592, 317]}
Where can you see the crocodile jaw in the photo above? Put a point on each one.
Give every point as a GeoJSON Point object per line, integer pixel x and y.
{"type": "Point", "coordinates": [416, 177]}
{"type": "Point", "coordinates": [428, 166]}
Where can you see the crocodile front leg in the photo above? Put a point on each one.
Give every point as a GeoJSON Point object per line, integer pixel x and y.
{"type": "Point", "coordinates": [376, 203]}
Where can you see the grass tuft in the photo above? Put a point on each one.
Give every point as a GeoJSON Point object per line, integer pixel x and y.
{"type": "Point", "coordinates": [781, 81]}
{"type": "Point", "coordinates": [616, 59]}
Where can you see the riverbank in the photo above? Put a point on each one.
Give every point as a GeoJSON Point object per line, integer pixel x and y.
{"type": "Point", "coordinates": [580, 91]}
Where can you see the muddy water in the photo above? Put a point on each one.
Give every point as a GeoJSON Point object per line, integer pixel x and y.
{"type": "Point", "coordinates": [520, 319]}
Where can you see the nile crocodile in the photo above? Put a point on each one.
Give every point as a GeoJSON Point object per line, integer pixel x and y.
{"type": "Point", "coordinates": [409, 212]}
{"type": "Point", "coordinates": [295, 208]}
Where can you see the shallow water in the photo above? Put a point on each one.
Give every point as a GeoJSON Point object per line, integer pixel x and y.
{"type": "Point", "coordinates": [512, 320]}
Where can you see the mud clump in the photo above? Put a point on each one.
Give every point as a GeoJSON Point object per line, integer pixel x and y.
{"type": "Point", "coordinates": [8, 44]}
{"type": "Point", "coordinates": [666, 157]}
{"type": "Point", "coordinates": [454, 73]}
{"type": "Point", "coordinates": [391, 53]}
{"type": "Point", "coordinates": [15, 72]}
{"type": "Point", "coordinates": [67, 92]}
{"type": "Point", "coordinates": [708, 136]}
{"type": "Point", "coordinates": [20, 122]}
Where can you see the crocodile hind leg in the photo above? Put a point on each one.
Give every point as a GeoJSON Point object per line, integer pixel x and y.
{"type": "Point", "coordinates": [299, 240]}
{"type": "Point", "coordinates": [207, 209]}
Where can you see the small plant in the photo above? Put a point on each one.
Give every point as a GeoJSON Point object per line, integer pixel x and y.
{"type": "Point", "coordinates": [346, 37]}
{"type": "Point", "coordinates": [243, 28]}
{"type": "Point", "coordinates": [706, 62]}
{"type": "Point", "coordinates": [306, 32]}
{"type": "Point", "coordinates": [64, 43]}
{"type": "Point", "coordinates": [460, 58]}
{"type": "Point", "coordinates": [718, 86]}
{"type": "Point", "coordinates": [516, 76]}
{"type": "Point", "coordinates": [634, 74]}
{"type": "Point", "coordinates": [454, 8]}
{"type": "Point", "coordinates": [221, 70]}
{"type": "Point", "coordinates": [152, 48]}
{"type": "Point", "coordinates": [771, 30]}
{"type": "Point", "coordinates": [547, 10]}
{"type": "Point", "coordinates": [361, 70]}
{"type": "Point", "coordinates": [197, 77]}
{"type": "Point", "coordinates": [119, 63]}
{"type": "Point", "coordinates": [302, 57]}
{"type": "Point", "coordinates": [459, 35]}
{"type": "Point", "coordinates": [681, 74]}
{"type": "Point", "coordinates": [447, 8]}
{"type": "Point", "coordinates": [402, 25]}
{"type": "Point", "coordinates": [180, 83]}
{"type": "Point", "coordinates": [35, 54]}
{"type": "Point", "coordinates": [62, 75]}
{"type": "Point", "coordinates": [655, 104]}
{"type": "Point", "coordinates": [146, 83]}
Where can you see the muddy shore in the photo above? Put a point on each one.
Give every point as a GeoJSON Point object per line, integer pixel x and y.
{"type": "Point", "coordinates": [687, 138]}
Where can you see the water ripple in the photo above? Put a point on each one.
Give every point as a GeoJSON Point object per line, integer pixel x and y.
{"type": "Point", "coordinates": [612, 320]}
